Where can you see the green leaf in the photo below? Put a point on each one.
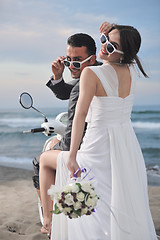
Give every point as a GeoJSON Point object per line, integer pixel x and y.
{"type": "Point", "coordinates": [56, 209]}
{"type": "Point", "coordinates": [79, 185]}
{"type": "Point", "coordinates": [78, 212]}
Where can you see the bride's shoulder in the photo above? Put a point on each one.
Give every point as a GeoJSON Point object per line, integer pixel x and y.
{"type": "Point", "coordinates": [103, 67]}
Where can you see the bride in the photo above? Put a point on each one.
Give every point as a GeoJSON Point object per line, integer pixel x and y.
{"type": "Point", "coordinates": [110, 147]}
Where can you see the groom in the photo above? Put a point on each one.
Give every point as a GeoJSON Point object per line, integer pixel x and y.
{"type": "Point", "coordinates": [81, 52]}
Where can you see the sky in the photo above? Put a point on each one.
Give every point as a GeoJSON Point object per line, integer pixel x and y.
{"type": "Point", "coordinates": [34, 32]}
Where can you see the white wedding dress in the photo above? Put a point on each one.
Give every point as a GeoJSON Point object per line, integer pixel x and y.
{"type": "Point", "coordinates": [111, 150]}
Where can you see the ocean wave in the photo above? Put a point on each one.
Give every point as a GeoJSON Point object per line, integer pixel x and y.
{"type": "Point", "coordinates": [24, 163]}
{"type": "Point", "coordinates": [36, 122]}
{"type": "Point", "coordinates": [21, 122]}
{"type": "Point", "coordinates": [153, 175]}
{"type": "Point", "coordinates": [154, 168]}
{"type": "Point", "coordinates": [146, 112]}
{"type": "Point", "coordinates": [151, 150]}
{"type": "Point", "coordinates": [146, 125]}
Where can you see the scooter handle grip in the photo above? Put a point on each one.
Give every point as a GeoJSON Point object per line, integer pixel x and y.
{"type": "Point", "coordinates": [35, 130]}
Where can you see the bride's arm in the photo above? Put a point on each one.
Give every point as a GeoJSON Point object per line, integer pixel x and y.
{"type": "Point", "coordinates": [88, 85]}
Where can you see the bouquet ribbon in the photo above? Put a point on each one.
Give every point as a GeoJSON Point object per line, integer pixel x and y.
{"type": "Point", "coordinates": [84, 170]}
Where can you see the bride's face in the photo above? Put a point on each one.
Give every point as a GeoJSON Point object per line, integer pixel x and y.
{"type": "Point", "coordinates": [108, 52]}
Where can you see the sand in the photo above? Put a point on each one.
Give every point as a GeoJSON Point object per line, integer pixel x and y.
{"type": "Point", "coordinates": [19, 218]}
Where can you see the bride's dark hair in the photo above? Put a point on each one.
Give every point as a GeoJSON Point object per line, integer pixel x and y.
{"type": "Point", "coordinates": [130, 40]}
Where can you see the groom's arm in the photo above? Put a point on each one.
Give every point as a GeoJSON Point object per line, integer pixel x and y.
{"type": "Point", "coordinates": [62, 89]}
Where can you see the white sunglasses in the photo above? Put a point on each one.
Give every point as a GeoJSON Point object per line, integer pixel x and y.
{"type": "Point", "coordinates": [110, 47]}
{"type": "Point", "coordinates": [75, 64]}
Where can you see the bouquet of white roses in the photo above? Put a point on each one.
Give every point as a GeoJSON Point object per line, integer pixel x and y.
{"type": "Point", "coordinates": [76, 199]}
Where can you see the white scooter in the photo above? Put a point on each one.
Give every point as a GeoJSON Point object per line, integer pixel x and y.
{"type": "Point", "coordinates": [56, 127]}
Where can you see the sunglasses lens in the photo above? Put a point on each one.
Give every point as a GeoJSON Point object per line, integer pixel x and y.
{"type": "Point", "coordinates": [103, 39]}
{"type": "Point", "coordinates": [76, 65]}
{"type": "Point", "coordinates": [110, 48]}
{"type": "Point", "coordinates": [66, 63]}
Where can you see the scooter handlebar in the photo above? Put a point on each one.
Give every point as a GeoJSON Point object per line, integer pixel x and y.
{"type": "Point", "coordinates": [35, 130]}
{"type": "Point", "coordinates": [53, 127]}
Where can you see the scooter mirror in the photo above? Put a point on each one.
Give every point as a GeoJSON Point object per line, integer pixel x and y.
{"type": "Point", "coordinates": [26, 100]}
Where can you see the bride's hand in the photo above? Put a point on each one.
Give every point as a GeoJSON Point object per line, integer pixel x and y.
{"type": "Point", "coordinates": [73, 166]}
{"type": "Point", "coordinates": [105, 27]}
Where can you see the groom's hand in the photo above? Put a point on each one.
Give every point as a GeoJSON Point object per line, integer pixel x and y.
{"type": "Point", "coordinates": [58, 67]}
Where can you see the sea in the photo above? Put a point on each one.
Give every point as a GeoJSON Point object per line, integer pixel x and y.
{"type": "Point", "coordinates": [18, 149]}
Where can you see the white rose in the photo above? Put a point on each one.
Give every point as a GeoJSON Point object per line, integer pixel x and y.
{"type": "Point", "coordinates": [94, 201]}
{"type": "Point", "coordinates": [84, 211]}
{"type": "Point", "coordinates": [92, 193]}
{"type": "Point", "coordinates": [77, 205]}
{"type": "Point", "coordinates": [80, 196]}
{"type": "Point", "coordinates": [69, 199]}
{"type": "Point", "coordinates": [67, 210]}
{"type": "Point", "coordinates": [86, 187]}
{"type": "Point", "coordinates": [91, 202]}
{"type": "Point", "coordinates": [54, 192]}
{"type": "Point", "coordinates": [59, 205]}
{"type": "Point", "coordinates": [67, 188]}
{"type": "Point", "coordinates": [75, 188]}
{"type": "Point", "coordinates": [73, 215]}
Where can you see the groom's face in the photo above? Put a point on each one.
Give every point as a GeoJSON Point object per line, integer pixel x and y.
{"type": "Point", "coordinates": [77, 54]}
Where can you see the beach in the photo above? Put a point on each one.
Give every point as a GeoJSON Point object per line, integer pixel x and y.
{"type": "Point", "coordinates": [19, 218]}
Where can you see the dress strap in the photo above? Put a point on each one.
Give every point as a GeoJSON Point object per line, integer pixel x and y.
{"type": "Point", "coordinates": [107, 77]}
